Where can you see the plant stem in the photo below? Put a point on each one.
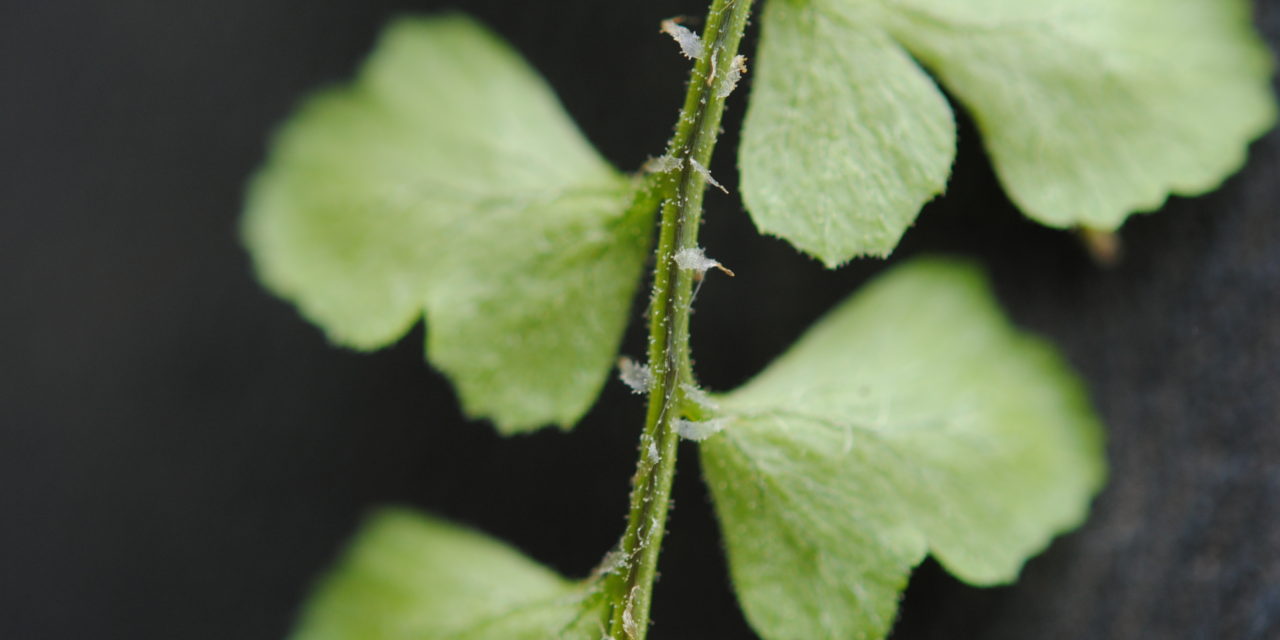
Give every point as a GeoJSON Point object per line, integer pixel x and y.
{"type": "Point", "coordinates": [630, 585]}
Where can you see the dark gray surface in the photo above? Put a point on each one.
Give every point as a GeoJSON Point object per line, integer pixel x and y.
{"type": "Point", "coordinates": [180, 454]}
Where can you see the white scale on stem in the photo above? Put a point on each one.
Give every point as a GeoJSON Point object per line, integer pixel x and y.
{"type": "Point", "coordinates": [667, 163]}
{"type": "Point", "coordinates": [701, 430]}
{"type": "Point", "coordinates": [706, 175]}
{"type": "Point", "coordinates": [662, 164]}
{"type": "Point", "coordinates": [635, 375]}
{"type": "Point", "coordinates": [729, 81]}
{"type": "Point", "coordinates": [628, 617]}
{"type": "Point", "coordinates": [690, 43]}
{"type": "Point", "coordinates": [699, 397]}
{"type": "Point", "coordinates": [693, 259]}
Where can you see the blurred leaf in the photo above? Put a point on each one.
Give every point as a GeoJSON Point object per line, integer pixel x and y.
{"type": "Point", "coordinates": [411, 577]}
{"type": "Point", "coordinates": [1090, 109]}
{"type": "Point", "coordinates": [913, 419]}
{"type": "Point", "coordinates": [448, 180]}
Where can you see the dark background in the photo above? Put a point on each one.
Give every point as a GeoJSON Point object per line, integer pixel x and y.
{"type": "Point", "coordinates": [180, 454]}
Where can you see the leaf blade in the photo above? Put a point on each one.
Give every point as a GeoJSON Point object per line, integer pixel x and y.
{"type": "Point", "coordinates": [412, 577]}
{"type": "Point", "coordinates": [845, 138]}
{"type": "Point", "coordinates": [1090, 111]}
{"type": "Point", "coordinates": [1094, 110]}
{"type": "Point", "coordinates": [447, 180]}
{"type": "Point", "coordinates": [911, 420]}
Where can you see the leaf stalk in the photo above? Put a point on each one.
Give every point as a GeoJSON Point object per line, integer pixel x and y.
{"type": "Point", "coordinates": [630, 585]}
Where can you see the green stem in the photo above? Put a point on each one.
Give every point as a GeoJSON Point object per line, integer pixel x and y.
{"type": "Point", "coordinates": [630, 585]}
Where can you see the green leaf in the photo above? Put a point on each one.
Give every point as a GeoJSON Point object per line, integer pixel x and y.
{"type": "Point", "coordinates": [1089, 109]}
{"type": "Point", "coordinates": [411, 577]}
{"type": "Point", "coordinates": [447, 180]}
{"type": "Point", "coordinates": [845, 139]}
{"type": "Point", "coordinates": [913, 419]}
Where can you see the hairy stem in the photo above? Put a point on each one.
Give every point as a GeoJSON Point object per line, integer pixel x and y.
{"type": "Point", "coordinates": [630, 585]}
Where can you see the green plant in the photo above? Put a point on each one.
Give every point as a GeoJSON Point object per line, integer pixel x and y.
{"type": "Point", "coordinates": [914, 419]}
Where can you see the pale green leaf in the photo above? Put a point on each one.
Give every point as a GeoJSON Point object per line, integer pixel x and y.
{"type": "Point", "coordinates": [1094, 109]}
{"type": "Point", "coordinates": [447, 180]}
{"type": "Point", "coordinates": [845, 139]}
{"type": "Point", "coordinates": [411, 577]}
{"type": "Point", "coordinates": [913, 419]}
{"type": "Point", "coordinates": [1090, 109]}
